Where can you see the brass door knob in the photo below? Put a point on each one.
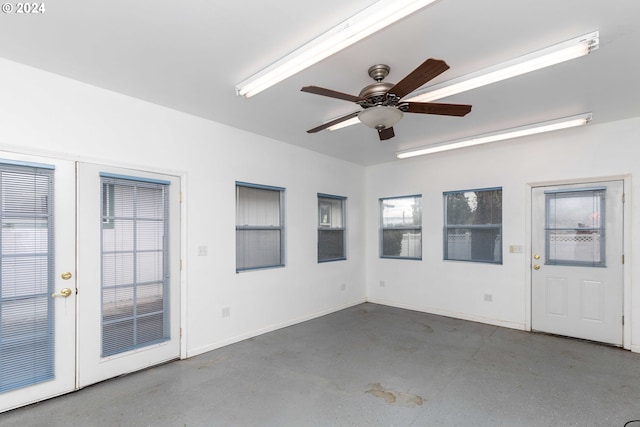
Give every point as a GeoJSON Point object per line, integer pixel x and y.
{"type": "Point", "coordinates": [63, 293]}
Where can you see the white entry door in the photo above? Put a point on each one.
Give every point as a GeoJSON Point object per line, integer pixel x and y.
{"type": "Point", "coordinates": [37, 279]}
{"type": "Point", "coordinates": [577, 265]}
{"type": "Point", "coordinates": [128, 271]}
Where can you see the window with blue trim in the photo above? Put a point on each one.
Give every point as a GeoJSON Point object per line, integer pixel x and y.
{"type": "Point", "coordinates": [401, 227]}
{"type": "Point", "coordinates": [331, 228]}
{"type": "Point", "coordinates": [473, 225]}
{"type": "Point", "coordinates": [259, 226]}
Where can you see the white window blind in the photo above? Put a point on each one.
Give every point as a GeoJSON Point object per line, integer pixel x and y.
{"type": "Point", "coordinates": [259, 227]}
{"type": "Point", "coordinates": [26, 278]}
{"type": "Point", "coordinates": [135, 221]}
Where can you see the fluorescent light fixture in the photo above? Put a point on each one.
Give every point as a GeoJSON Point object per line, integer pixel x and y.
{"type": "Point", "coordinates": [370, 20]}
{"type": "Point", "coordinates": [552, 55]}
{"type": "Point", "coordinates": [532, 129]}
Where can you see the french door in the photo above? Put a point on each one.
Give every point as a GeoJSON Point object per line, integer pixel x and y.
{"type": "Point", "coordinates": [89, 275]}
{"type": "Point", "coordinates": [577, 265]}
{"type": "Point", "coordinates": [37, 279]}
{"type": "Point", "coordinates": [128, 271]}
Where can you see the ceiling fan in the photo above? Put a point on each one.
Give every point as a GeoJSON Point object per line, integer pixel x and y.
{"type": "Point", "coordinates": [382, 102]}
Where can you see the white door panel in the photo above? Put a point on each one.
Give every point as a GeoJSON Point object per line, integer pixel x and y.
{"type": "Point", "coordinates": [118, 292]}
{"type": "Point", "coordinates": [577, 271]}
{"type": "Point", "coordinates": [55, 318]}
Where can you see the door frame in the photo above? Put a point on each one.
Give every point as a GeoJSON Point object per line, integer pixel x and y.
{"type": "Point", "coordinates": [626, 246]}
{"type": "Point", "coordinates": [84, 376]}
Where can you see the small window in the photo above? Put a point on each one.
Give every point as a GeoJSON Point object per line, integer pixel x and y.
{"type": "Point", "coordinates": [259, 226]}
{"type": "Point", "coordinates": [401, 227]}
{"type": "Point", "coordinates": [331, 228]}
{"type": "Point", "coordinates": [575, 227]}
{"type": "Point", "coordinates": [473, 225]}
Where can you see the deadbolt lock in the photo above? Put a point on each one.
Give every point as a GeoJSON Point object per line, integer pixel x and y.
{"type": "Point", "coordinates": [66, 275]}
{"type": "Point", "coordinates": [536, 256]}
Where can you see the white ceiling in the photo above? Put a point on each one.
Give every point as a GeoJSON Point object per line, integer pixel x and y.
{"type": "Point", "coordinates": [189, 55]}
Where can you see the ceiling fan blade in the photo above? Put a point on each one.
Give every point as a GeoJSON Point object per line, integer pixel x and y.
{"type": "Point", "coordinates": [430, 69]}
{"type": "Point", "coordinates": [458, 110]}
{"type": "Point", "coordinates": [386, 133]}
{"type": "Point", "coordinates": [333, 122]}
{"type": "Point", "coordinates": [331, 93]}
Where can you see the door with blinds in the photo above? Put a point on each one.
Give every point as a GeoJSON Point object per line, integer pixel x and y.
{"type": "Point", "coordinates": [37, 279]}
{"type": "Point", "coordinates": [128, 270]}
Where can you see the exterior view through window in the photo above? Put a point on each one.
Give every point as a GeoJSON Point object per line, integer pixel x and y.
{"type": "Point", "coordinates": [401, 227]}
{"type": "Point", "coordinates": [473, 225]}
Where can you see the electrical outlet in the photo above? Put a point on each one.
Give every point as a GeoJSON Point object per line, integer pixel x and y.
{"type": "Point", "coordinates": [226, 311]}
{"type": "Point", "coordinates": [488, 297]}
{"type": "Point", "coordinates": [382, 284]}
{"type": "Point", "coordinates": [343, 287]}
{"type": "Point", "coordinates": [203, 250]}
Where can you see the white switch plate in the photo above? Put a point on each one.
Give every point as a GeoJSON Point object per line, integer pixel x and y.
{"type": "Point", "coordinates": [515, 249]}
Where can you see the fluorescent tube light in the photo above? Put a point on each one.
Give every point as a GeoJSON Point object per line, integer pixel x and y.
{"type": "Point", "coordinates": [548, 126]}
{"type": "Point", "coordinates": [344, 124]}
{"type": "Point", "coordinates": [552, 55]}
{"type": "Point", "coordinates": [370, 20]}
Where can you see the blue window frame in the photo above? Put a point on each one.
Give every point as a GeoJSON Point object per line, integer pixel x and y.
{"type": "Point", "coordinates": [259, 226]}
{"type": "Point", "coordinates": [331, 228]}
{"type": "Point", "coordinates": [473, 225]}
{"type": "Point", "coordinates": [401, 227]}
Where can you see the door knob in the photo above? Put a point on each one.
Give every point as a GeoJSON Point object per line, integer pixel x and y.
{"type": "Point", "coordinates": [536, 267]}
{"type": "Point", "coordinates": [63, 293]}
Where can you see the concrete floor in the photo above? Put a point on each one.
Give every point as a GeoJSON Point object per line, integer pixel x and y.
{"type": "Point", "coordinates": [368, 365]}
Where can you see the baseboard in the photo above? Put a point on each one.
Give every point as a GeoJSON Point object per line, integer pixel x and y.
{"type": "Point", "coordinates": [635, 348]}
{"type": "Point", "coordinates": [456, 315]}
{"type": "Point", "coordinates": [218, 344]}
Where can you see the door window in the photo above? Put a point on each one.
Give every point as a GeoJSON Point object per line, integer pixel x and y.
{"type": "Point", "coordinates": [575, 227]}
{"type": "Point", "coordinates": [134, 264]}
{"type": "Point", "coordinates": [26, 281]}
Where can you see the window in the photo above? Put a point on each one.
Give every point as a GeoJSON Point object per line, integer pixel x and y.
{"type": "Point", "coordinates": [473, 225]}
{"type": "Point", "coordinates": [259, 226]}
{"type": "Point", "coordinates": [331, 227]}
{"type": "Point", "coordinates": [26, 275]}
{"type": "Point", "coordinates": [575, 227]}
{"type": "Point", "coordinates": [401, 227]}
{"type": "Point", "coordinates": [135, 259]}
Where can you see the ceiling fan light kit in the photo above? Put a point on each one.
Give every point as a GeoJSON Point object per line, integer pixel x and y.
{"type": "Point", "coordinates": [380, 117]}
{"type": "Point", "coordinates": [368, 21]}
{"type": "Point", "coordinates": [532, 129]}
{"type": "Point", "coordinates": [382, 102]}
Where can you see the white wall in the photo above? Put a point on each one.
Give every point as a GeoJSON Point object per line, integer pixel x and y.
{"type": "Point", "coordinates": [457, 288]}
{"type": "Point", "coordinates": [47, 115]}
